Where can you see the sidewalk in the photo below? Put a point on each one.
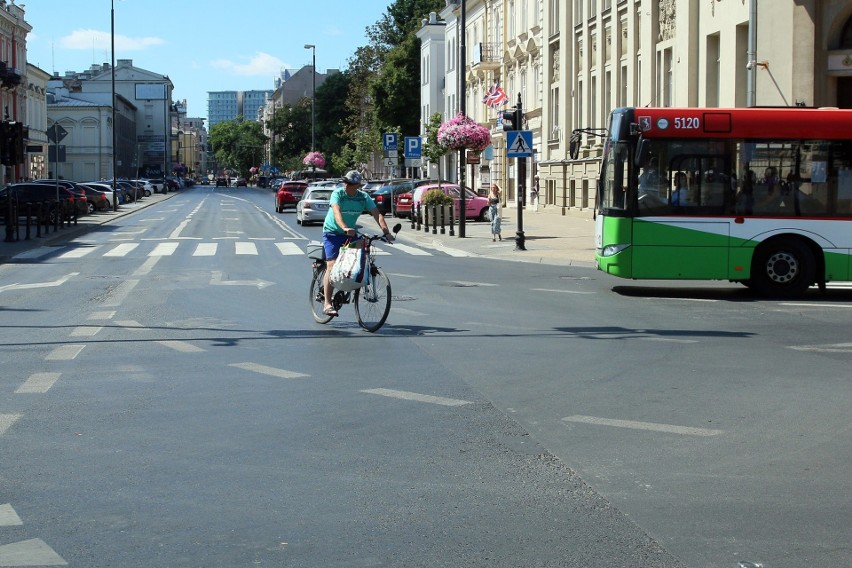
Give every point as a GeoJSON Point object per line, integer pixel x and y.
{"type": "Point", "coordinates": [84, 225]}
{"type": "Point", "coordinates": [549, 238]}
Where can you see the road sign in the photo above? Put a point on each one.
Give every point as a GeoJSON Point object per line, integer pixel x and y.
{"type": "Point", "coordinates": [472, 158]}
{"type": "Point", "coordinates": [56, 133]}
{"type": "Point", "coordinates": [519, 143]}
{"type": "Point", "coordinates": [390, 162]}
{"type": "Point", "coordinates": [413, 162]}
{"type": "Point", "coordinates": [413, 147]}
{"type": "Point", "coordinates": [389, 140]}
{"type": "Point", "coordinates": [391, 153]}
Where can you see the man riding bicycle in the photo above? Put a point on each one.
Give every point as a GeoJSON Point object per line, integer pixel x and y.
{"type": "Point", "coordinates": [345, 206]}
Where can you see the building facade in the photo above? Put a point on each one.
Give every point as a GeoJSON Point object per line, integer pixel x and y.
{"type": "Point", "coordinates": [573, 61]}
{"type": "Point", "coordinates": [223, 106]}
{"type": "Point", "coordinates": [13, 84]}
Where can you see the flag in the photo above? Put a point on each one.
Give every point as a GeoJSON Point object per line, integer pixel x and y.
{"type": "Point", "coordinates": [495, 96]}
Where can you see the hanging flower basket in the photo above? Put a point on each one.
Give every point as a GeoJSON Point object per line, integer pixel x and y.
{"type": "Point", "coordinates": [462, 133]}
{"type": "Point", "coordinates": [314, 159]}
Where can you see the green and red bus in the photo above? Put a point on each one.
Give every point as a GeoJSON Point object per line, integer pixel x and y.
{"type": "Point", "coordinates": [760, 196]}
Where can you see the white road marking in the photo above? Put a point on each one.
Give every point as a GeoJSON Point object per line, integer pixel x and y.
{"type": "Point", "coordinates": [53, 284]}
{"type": "Point", "coordinates": [217, 281]}
{"type": "Point", "coordinates": [289, 248]}
{"type": "Point", "coordinates": [466, 284]}
{"type": "Point", "coordinates": [271, 371]}
{"type": "Point", "coordinates": [176, 233]}
{"type": "Point", "coordinates": [411, 250]}
{"type": "Point", "coordinates": [668, 339]}
{"type": "Point", "coordinates": [164, 249]}
{"type": "Point", "coordinates": [560, 291]}
{"type": "Point", "coordinates": [181, 346]}
{"type": "Point", "coordinates": [830, 306]}
{"type": "Point", "coordinates": [120, 293]}
{"type": "Point", "coordinates": [122, 249]}
{"type": "Point", "coordinates": [6, 421]}
{"type": "Point", "coordinates": [65, 352]}
{"type": "Point", "coordinates": [417, 397]}
{"type": "Point", "coordinates": [32, 552]}
{"type": "Point", "coordinates": [101, 315]}
{"type": "Point", "coordinates": [8, 516]}
{"type": "Point", "coordinates": [242, 247]}
{"type": "Point", "coordinates": [38, 383]}
{"type": "Point", "coordinates": [86, 331]}
{"type": "Point", "coordinates": [654, 427]}
{"type": "Point", "coordinates": [147, 266]}
{"type": "Point", "coordinates": [205, 249]}
{"type": "Point", "coordinates": [77, 252]}
{"type": "Point", "coordinates": [829, 348]}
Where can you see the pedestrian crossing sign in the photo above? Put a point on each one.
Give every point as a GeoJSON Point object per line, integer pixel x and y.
{"type": "Point", "coordinates": [518, 143]}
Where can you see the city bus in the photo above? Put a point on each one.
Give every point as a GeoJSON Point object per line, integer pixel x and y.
{"type": "Point", "coordinates": [759, 196]}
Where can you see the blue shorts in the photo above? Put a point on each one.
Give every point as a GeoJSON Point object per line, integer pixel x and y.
{"type": "Point", "coordinates": [331, 243]}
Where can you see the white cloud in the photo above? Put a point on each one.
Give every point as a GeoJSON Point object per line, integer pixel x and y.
{"type": "Point", "coordinates": [261, 64]}
{"type": "Point", "coordinates": [95, 39]}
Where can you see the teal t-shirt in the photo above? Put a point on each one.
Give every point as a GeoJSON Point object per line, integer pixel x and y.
{"type": "Point", "coordinates": [350, 207]}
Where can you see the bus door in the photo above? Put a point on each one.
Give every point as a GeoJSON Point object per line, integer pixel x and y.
{"type": "Point", "coordinates": [690, 237]}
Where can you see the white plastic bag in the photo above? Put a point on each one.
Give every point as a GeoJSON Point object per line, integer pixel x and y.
{"type": "Point", "coordinates": [351, 269]}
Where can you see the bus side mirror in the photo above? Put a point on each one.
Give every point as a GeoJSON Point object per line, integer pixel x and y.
{"type": "Point", "coordinates": [574, 145]}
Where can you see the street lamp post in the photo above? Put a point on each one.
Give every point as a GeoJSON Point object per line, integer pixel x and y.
{"type": "Point", "coordinates": [313, 49]}
{"type": "Point", "coordinates": [112, 70]}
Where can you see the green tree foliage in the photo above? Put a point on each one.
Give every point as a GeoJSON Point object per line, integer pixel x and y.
{"type": "Point", "coordinates": [291, 134]}
{"type": "Point", "coordinates": [331, 113]}
{"type": "Point", "coordinates": [432, 149]}
{"type": "Point", "coordinates": [237, 144]}
{"type": "Point", "coordinates": [400, 21]}
{"type": "Point", "coordinates": [397, 86]}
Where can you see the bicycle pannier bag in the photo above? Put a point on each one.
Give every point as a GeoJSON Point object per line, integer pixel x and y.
{"type": "Point", "coordinates": [350, 270]}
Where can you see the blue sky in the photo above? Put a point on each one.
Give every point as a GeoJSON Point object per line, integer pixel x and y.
{"type": "Point", "coordinates": [202, 45]}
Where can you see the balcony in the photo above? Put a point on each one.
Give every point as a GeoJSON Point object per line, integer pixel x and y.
{"type": "Point", "coordinates": [486, 58]}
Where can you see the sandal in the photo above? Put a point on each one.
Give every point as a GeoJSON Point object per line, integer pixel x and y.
{"type": "Point", "coordinates": [329, 311]}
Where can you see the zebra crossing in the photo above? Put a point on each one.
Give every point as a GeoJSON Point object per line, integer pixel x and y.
{"type": "Point", "coordinates": [239, 248]}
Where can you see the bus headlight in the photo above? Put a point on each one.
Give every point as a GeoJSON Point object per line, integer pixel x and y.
{"type": "Point", "coordinates": [612, 250]}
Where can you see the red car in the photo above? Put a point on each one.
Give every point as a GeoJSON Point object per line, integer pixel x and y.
{"type": "Point", "coordinates": [289, 194]}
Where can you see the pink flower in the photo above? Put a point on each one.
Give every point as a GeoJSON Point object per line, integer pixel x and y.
{"type": "Point", "coordinates": [461, 133]}
{"type": "Point", "coordinates": [315, 159]}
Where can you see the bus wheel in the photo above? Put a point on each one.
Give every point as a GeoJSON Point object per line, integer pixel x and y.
{"type": "Point", "coordinates": [783, 268]}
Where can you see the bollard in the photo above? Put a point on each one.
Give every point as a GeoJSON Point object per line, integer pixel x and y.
{"type": "Point", "coordinates": [443, 220]}
{"type": "Point", "coordinates": [9, 211]}
{"type": "Point", "coordinates": [452, 220]}
{"type": "Point", "coordinates": [411, 215]}
{"type": "Point", "coordinates": [29, 219]}
{"type": "Point", "coordinates": [424, 210]}
{"type": "Point", "coordinates": [434, 219]}
{"type": "Point", "coordinates": [38, 219]}
{"type": "Point", "coordinates": [417, 209]}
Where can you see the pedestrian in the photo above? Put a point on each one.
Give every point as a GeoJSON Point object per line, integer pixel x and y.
{"type": "Point", "coordinates": [534, 194]}
{"type": "Point", "coordinates": [494, 210]}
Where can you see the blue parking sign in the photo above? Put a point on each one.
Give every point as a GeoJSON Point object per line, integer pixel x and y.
{"type": "Point", "coordinates": [389, 140]}
{"type": "Point", "coordinates": [413, 148]}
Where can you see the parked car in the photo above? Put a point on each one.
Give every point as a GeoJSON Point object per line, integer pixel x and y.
{"type": "Point", "coordinates": [313, 206]}
{"type": "Point", "coordinates": [105, 189]}
{"type": "Point", "coordinates": [476, 206]}
{"type": "Point", "coordinates": [392, 191]}
{"type": "Point", "coordinates": [221, 181]}
{"type": "Point", "coordinates": [241, 182]}
{"type": "Point", "coordinates": [43, 193]}
{"type": "Point", "coordinates": [289, 194]}
{"type": "Point", "coordinates": [96, 198]}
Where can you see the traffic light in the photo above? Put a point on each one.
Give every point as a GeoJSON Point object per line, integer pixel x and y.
{"type": "Point", "coordinates": [508, 119]}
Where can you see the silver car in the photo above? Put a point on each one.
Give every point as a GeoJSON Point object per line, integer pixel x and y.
{"type": "Point", "coordinates": [313, 205]}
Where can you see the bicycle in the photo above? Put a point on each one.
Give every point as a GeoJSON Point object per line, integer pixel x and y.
{"type": "Point", "coordinates": [372, 301]}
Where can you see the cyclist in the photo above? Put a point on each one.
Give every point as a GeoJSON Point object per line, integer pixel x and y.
{"type": "Point", "coordinates": [345, 206]}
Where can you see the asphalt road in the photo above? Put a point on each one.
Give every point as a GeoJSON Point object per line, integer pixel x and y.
{"type": "Point", "coordinates": [168, 400]}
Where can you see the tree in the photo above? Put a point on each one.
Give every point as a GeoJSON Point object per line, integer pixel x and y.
{"type": "Point", "coordinates": [291, 131]}
{"type": "Point", "coordinates": [331, 113]}
{"type": "Point", "coordinates": [432, 149]}
{"type": "Point", "coordinates": [237, 144]}
{"type": "Point", "coordinates": [396, 85]}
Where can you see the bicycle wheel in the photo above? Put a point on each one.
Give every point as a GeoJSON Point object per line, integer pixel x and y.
{"type": "Point", "coordinates": [315, 297]}
{"type": "Point", "coordinates": [373, 301]}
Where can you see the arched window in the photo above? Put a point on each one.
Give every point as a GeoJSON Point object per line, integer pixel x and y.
{"type": "Point", "coordinates": [846, 36]}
